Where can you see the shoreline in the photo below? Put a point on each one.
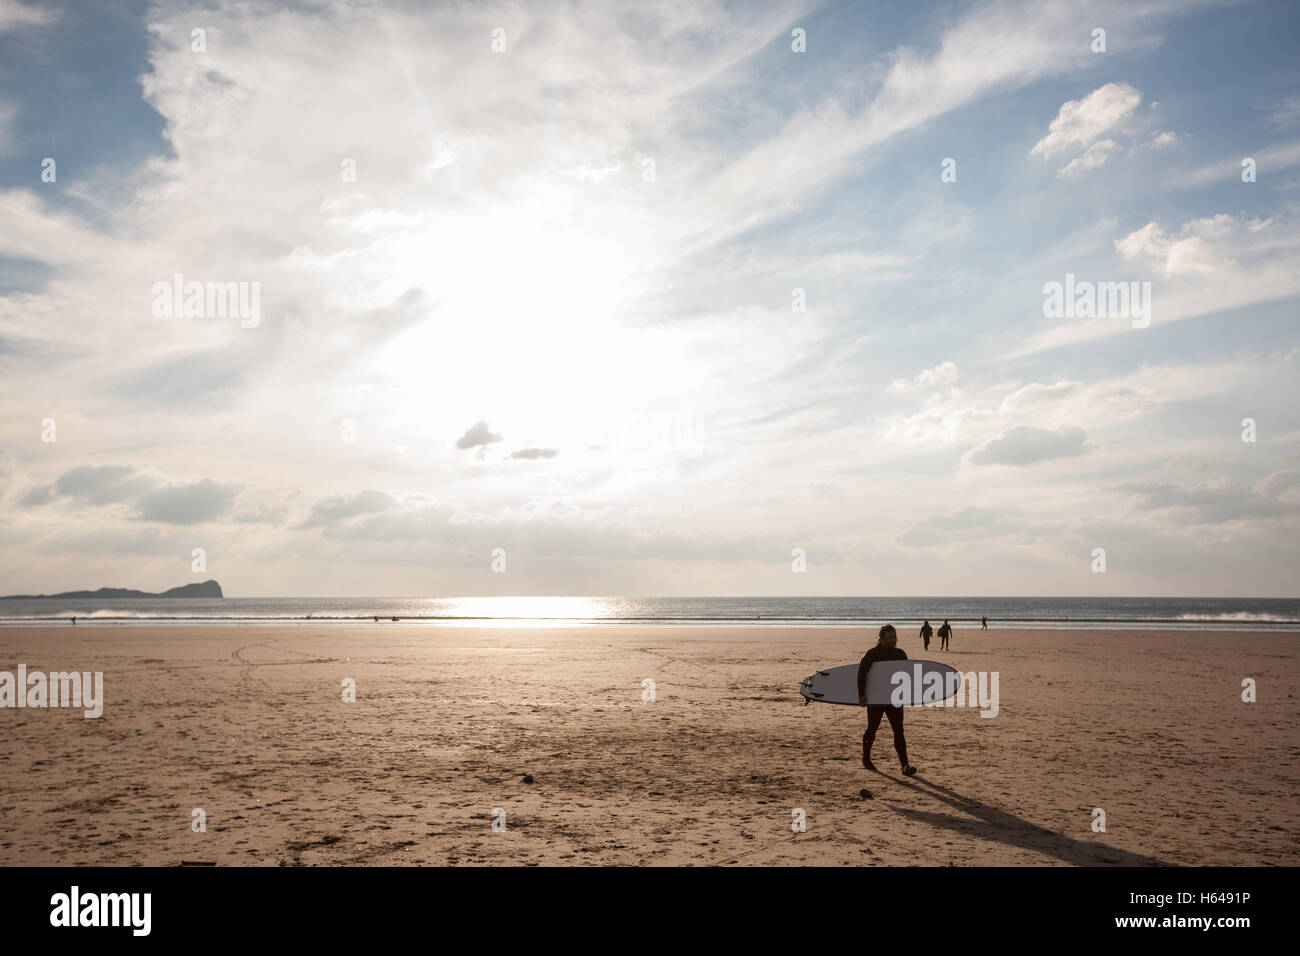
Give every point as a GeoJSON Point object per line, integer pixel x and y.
{"type": "Point", "coordinates": [1224, 625]}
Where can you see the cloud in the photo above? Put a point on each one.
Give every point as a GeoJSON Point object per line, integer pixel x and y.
{"type": "Point", "coordinates": [187, 504]}
{"type": "Point", "coordinates": [96, 485]}
{"type": "Point", "coordinates": [942, 374]}
{"type": "Point", "coordinates": [1271, 159]}
{"type": "Point", "coordinates": [557, 529]}
{"type": "Point", "coordinates": [1281, 484]}
{"type": "Point", "coordinates": [969, 524]}
{"type": "Point", "coordinates": [38, 495]}
{"type": "Point", "coordinates": [1206, 265]}
{"type": "Point", "coordinates": [263, 514]}
{"type": "Point", "coordinates": [1039, 395]}
{"type": "Point", "coordinates": [1080, 122]}
{"type": "Point", "coordinates": [1094, 156]}
{"type": "Point", "coordinates": [1217, 502]}
{"type": "Point", "coordinates": [413, 523]}
{"type": "Point", "coordinates": [185, 382]}
{"type": "Point", "coordinates": [981, 416]}
{"type": "Point", "coordinates": [8, 114]}
{"type": "Point", "coordinates": [1022, 445]}
{"type": "Point", "coordinates": [942, 421]}
{"type": "Point", "coordinates": [1199, 247]}
{"type": "Point", "coordinates": [478, 435]}
{"type": "Point", "coordinates": [1287, 112]}
{"type": "Point", "coordinates": [341, 507]}
{"type": "Point", "coordinates": [16, 16]}
{"type": "Point", "coordinates": [531, 453]}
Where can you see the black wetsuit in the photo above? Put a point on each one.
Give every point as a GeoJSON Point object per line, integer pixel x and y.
{"type": "Point", "coordinates": [926, 633]}
{"type": "Point", "coordinates": [876, 711]}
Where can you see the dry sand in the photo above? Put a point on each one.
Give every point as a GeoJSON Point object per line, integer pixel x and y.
{"type": "Point", "coordinates": [247, 722]}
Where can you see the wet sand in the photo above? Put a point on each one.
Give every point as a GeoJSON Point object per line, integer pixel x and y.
{"type": "Point", "coordinates": [248, 723]}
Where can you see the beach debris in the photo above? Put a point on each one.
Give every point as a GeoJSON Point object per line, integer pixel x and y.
{"type": "Point", "coordinates": [528, 778]}
{"type": "Point", "coordinates": [865, 794]}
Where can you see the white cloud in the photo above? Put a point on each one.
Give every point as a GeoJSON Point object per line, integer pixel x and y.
{"type": "Point", "coordinates": [1270, 159]}
{"type": "Point", "coordinates": [945, 373]}
{"type": "Point", "coordinates": [1199, 247]}
{"type": "Point", "coordinates": [1093, 157]}
{"type": "Point", "coordinates": [1058, 407]}
{"type": "Point", "coordinates": [1204, 266]}
{"type": "Point", "coordinates": [1080, 123]}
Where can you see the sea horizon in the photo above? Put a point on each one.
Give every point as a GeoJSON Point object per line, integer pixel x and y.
{"type": "Point", "coordinates": [1021, 612]}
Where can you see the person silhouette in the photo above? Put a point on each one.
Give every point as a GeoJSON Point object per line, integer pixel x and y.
{"type": "Point", "coordinates": [926, 633]}
{"type": "Point", "coordinates": [945, 632]}
{"type": "Point", "coordinates": [984, 623]}
{"type": "Point", "coordinates": [886, 649]}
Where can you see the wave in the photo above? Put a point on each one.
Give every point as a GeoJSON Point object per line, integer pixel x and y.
{"type": "Point", "coordinates": [1236, 616]}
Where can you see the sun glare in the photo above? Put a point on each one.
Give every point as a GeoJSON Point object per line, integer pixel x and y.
{"type": "Point", "coordinates": [526, 305]}
{"type": "Point", "coordinates": [525, 611]}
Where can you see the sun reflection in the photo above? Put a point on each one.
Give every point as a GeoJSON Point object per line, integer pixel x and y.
{"type": "Point", "coordinates": [525, 611]}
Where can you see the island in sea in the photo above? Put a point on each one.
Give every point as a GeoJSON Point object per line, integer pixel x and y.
{"type": "Point", "coordinates": [204, 589]}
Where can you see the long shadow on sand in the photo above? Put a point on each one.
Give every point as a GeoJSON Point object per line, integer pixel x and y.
{"type": "Point", "coordinates": [999, 826]}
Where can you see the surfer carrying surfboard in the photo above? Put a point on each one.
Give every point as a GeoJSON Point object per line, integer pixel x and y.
{"type": "Point", "coordinates": [886, 649]}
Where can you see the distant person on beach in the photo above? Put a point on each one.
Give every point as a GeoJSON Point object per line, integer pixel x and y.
{"type": "Point", "coordinates": [886, 649]}
{"type": "Point", "coordinates": [945, 632]}
{"type": "Point", "coordinates": [926, 633]}
{"type": "Point", "coordinates": [984, 623]}
{"type": "Point", "coordinates": [74, 620]}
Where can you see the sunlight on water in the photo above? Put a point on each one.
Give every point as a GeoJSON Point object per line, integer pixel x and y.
{"type": "Point", "coordinates": [528, 611]}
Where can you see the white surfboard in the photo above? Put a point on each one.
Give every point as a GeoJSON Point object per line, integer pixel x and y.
{"type": "Point", "coordinates": [900, 683]}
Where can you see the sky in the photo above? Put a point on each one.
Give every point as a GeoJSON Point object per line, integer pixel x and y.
{"type": "Point", "coordinates": [657, 298]}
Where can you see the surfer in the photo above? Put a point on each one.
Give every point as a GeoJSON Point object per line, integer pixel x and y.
{"type": "Point", "coordinates": [984, 623]}
{"type": "Point", "coordinates": [886, 649]}
{"type": "Point", "coordinates": [926, 633]}
{"type": "Point", "coordinates": [945, 632]}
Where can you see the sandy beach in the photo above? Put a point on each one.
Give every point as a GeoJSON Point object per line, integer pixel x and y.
{"type": "Point", "coordinates": [548, 725]}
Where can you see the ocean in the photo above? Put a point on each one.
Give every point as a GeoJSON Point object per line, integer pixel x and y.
{"type": "Point", "coordinates": [1254, 614]}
